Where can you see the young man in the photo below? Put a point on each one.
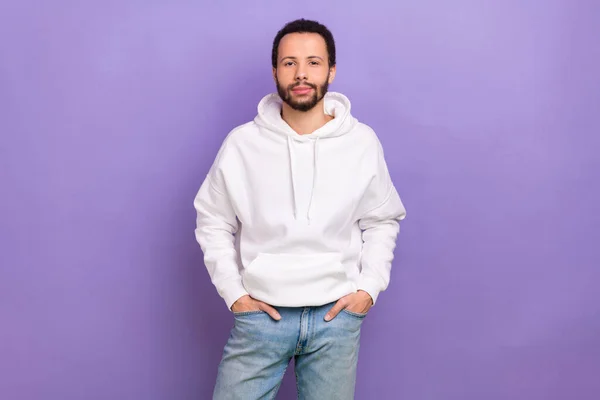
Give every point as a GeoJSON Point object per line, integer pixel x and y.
{"type": "Point", "coordinates": [298, 220]}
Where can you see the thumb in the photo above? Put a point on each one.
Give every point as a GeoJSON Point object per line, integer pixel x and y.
{"type": "Point", "coordinates": [270, 310]}
{"type": "Point", "coordinates": [334, 311]}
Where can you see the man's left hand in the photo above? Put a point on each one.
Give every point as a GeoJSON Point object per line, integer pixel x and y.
{"type": "Point", "coordinates": [358, 302]}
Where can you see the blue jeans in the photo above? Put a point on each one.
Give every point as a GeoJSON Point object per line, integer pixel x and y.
{"type": "Point", "coordinates": [259, 349]}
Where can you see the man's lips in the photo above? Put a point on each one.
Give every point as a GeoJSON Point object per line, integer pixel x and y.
{"type": "Point", "coordinates": [302, 89]}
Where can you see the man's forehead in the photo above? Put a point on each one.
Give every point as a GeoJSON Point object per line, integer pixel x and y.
{"type": "Point", "coordinates": [303, 39]}
{"type": "Point", "coordinates": [295, 45]}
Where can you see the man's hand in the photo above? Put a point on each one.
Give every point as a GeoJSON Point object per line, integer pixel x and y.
{"type": "Point", "coordinates": [359, 302]}
{"type": "Point", "coordinates": [247, 303]}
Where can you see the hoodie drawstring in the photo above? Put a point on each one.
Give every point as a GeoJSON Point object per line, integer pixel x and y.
{"type": "Point", "coordinates": [292, 173]}
{"type": "Point", "coordinates": [314, 180]}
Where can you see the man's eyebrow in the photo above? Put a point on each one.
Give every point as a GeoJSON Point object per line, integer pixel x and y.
{"type": "Point", "coordinates": [295, 58]}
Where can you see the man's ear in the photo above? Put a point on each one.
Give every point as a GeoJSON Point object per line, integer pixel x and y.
{"type": "Point", "coordinates": [332, 72]}
{"type": "Point", "coordinates": [275, 74]}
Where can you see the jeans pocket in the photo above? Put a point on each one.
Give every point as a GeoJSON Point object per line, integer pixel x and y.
{"type": "Point", "coordinates": [244, 313]}
{"type": "Point", "coordinates": [354, 314]}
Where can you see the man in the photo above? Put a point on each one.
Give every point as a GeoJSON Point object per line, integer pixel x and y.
{"type": "Point", "coordinates": [298, 220]}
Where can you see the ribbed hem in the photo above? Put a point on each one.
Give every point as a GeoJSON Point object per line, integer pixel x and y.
{"type": "Point", "coordinates": [232, 292]}
{"type": "Point", "coordinates": [370, 286]}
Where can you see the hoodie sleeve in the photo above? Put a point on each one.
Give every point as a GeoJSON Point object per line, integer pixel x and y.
{"type": "Point", "coordinates": [216, 225]}
{"type": "Point", "coordinates": [379, 223]}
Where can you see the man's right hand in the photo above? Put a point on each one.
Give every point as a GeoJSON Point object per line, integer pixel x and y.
{"type": "Point", "coordinates": [247, 303]}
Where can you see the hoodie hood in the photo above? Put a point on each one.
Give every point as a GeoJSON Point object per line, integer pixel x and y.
{"type": "Point", "coordinates": [336, 105]}
{"type": "Point", "coordinates": [269, 118]}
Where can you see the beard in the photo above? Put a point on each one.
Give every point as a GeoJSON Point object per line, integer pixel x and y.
{"type": "Point", "coordinates": [303, 105]}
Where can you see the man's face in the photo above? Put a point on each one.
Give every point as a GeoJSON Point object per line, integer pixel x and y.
{"type": "Point", "coordinates": [303, 74]}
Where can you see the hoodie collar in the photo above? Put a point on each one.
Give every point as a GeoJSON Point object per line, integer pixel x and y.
{"type": "Point", "coordinates": [336, 104]}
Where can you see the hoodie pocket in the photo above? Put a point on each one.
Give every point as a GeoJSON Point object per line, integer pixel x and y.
{"type": "Point", "coordinates": [295, 280]}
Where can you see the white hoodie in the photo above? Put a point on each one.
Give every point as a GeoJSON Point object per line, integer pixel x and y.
{"type": "Point", "coordinates": [298, 220]}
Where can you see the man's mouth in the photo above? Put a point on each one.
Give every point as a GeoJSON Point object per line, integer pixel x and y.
{"type": "Point", "coordinates": [302, 90]}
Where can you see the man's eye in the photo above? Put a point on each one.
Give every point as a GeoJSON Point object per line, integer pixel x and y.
{"type": "Point", "coordinates": [287, 64]}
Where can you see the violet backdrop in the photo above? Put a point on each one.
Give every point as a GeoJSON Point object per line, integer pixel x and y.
{"type": "Point", "coordinates": [111, 113]}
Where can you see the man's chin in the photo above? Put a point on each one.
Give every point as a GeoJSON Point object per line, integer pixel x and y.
{"type": "Point", "coordinates": [303, 104]}
{"type": "Point", "coordinates": [303, 107]}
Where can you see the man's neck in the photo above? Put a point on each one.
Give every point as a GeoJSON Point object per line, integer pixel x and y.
{"type": "Point", "coordinates": [304, 123]}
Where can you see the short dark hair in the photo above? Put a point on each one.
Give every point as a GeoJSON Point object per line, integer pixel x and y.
{"type": "Point", "coordinates": [304, 26]}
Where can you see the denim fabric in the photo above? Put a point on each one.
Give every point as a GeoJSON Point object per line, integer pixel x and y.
{"type": "Point", "coordinates": [259, 349]}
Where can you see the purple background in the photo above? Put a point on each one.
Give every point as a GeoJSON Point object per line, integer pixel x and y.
{"type": "Point", "coordinates": [111, 113]}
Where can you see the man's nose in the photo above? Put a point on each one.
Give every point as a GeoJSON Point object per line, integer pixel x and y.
{"type": "Point", "coordinates": [301, 74]}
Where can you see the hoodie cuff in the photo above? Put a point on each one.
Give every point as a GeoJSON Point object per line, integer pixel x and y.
{"type": "Point", "coordinates": [370, 286]}
{"type": "Point", "coordinates": [233, 292]}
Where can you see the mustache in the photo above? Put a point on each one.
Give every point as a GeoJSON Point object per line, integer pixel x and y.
{"type": "Point", "coordinates": [294, 85]}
